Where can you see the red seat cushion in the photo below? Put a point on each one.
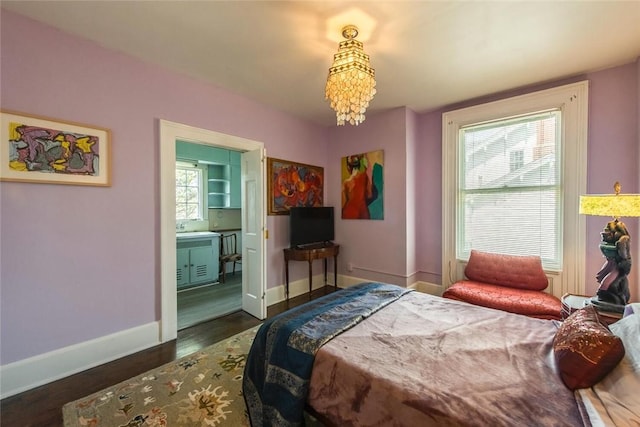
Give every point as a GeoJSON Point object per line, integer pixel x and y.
{"type": "Point", "coordinates": [521, 301]}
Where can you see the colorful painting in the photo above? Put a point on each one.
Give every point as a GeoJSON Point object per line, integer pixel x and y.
{"type": "Point", "coordinates": [293, 184]}
{"type": "Point", "coordinates": [35, 149]}
{"type": "Point", "coordinates": [363, 185]}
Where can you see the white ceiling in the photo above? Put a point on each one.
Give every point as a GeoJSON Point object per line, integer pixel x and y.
{"type": "Point", "coordinates": [427, 54]}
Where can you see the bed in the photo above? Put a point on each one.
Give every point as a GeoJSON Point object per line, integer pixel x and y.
{"type": "Point", "coordinates": [377, 354]}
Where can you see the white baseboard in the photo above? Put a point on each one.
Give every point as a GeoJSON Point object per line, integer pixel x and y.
{"type": "Point", "coordinates": [297, 287]}
{"type": "Point", "coordinates": [35, 371]}
{"type": "Point", "coordinates": [428, 288]}
{"type": "Point", "coordinates": [425, 287]}
{"type": "Point", "coordinates": [349, 281]}
{"type": "Point", "coordinates": [44, 368]}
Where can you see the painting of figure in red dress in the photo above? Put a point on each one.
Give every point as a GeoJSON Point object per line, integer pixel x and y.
{"type": "Point", "coordinates": [293, 184]}
{"type": "Point", "coordinates": [362, 186]}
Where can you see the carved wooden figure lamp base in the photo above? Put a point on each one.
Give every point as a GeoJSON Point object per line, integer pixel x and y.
{"type": "Point", "coordinates": [613, 292]}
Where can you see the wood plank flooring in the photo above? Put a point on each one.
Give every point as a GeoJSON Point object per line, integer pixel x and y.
{"type": "Point", "coordinates": [42, 406]}
{"type": "Point", "coordinates": [210, 301]}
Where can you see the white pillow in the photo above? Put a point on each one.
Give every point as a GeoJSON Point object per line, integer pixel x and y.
{"type": "Point", "coordinates": [628, 329]}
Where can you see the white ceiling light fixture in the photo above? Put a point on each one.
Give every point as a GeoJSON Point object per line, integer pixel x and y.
{"type": "Point", "coordinates": [351, 84]}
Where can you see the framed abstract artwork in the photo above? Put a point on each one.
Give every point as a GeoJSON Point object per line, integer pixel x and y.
{"type": "Point", "coordinates": [363, 186]}
{"type": "Point", "coordinates": [43, 150]}
{"type": "Point", "coordinates": [292, 184]}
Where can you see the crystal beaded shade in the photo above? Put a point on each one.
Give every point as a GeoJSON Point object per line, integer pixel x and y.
{"type": "Point", "coordinates": [351, 83]}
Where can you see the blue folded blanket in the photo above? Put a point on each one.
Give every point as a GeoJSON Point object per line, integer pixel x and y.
{"type": "Point", "coordinates": [278, 369]}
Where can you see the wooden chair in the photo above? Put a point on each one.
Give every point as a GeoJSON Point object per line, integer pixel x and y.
{"type": "Point", "coordinates": [228, 253]}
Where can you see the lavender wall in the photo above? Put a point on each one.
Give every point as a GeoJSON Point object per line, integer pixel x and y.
{"type": "Point", "coordinates": [83, 262]}
{"type": "Point", "coordinates": [55, 293]}
{"type": "Point", "coordinates": [613, 152]}
{"type": "Point", "coordinates": [614, 149]}
{"type": "Point", "coordinates": [411, 188]}
{"type": "Point", "coordinates": [376, 248]}
{"type": "Point", "coordinates": [429, 198]}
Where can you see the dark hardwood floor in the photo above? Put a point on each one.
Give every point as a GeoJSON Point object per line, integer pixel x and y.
{"type": "Point", "coordinates": [42, 406]}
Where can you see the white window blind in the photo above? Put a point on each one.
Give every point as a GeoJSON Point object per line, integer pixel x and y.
{"type": "Point", "coordinates": [510, 188]}
{"type": "Point", "coordinates": [189, 193]}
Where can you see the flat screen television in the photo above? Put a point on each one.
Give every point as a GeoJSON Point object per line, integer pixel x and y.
{"type": "Point", "coordinates": [310, 225]}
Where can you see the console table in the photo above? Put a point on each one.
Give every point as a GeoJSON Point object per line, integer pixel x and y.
{"type": "Point", "coordinates": [309, 253]}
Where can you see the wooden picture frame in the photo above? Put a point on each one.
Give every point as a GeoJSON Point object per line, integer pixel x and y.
{"type": "Point", "coordinates": [43, 150]}
{"type": "Point", "coordinates": [293, 184]}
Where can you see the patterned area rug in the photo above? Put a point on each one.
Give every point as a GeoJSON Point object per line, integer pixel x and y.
{"type": "Point", "coordinates": [202, 389]}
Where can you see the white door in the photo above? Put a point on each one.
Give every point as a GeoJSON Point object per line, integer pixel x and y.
{"type": "Point", "coordinates": [253, 230]}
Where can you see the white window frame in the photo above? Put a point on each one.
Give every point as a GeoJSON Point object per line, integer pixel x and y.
{"type": "Point", "coordinates": [572, 100]}
{"type": "Point", "coordinates": [202, 189]}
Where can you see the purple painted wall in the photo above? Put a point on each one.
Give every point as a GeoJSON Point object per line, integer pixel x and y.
{"type": "Point", "coordinates": [429, 198]}
{"type": "Point", "coordinates": [411, 188]}
{"type": "Point", "coordinates": [83, 262]}
{"type": "Point", "coordinates": [55, 293]}
{"type": "Point", "coordinates": [377, 249]}
{"type": "Point", "coordinates": [614, 149]}
{"type": "Point", "coordinates": [613, 152]}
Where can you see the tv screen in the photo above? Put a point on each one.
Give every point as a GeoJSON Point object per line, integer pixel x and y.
{"type": "Point", "coordinates": [310, 225]}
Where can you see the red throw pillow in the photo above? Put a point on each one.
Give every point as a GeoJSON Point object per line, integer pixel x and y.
{"type": "Point", "coordinates": [585, 349]}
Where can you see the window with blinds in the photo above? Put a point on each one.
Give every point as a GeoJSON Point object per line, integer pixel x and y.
{"type": "Point", "coordinates": [510, 188]}
{"type": "Point", "coordinates": [513, 171]}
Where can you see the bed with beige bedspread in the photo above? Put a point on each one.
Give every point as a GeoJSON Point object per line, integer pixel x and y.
{"type": "Point", "coordinates": [422, 360]}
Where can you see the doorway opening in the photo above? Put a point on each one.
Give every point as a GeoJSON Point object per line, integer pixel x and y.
{"type": "Point", "coordinates": [253, 225]}
{"type": "Point", "coordinates": [208, 232]}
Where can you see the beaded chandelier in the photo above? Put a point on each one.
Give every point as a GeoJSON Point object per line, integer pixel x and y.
{"type": "Point", "coordinates": [351, 83]}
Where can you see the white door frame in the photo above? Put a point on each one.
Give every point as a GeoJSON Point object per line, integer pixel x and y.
{"type": "Point", "coordinates": [169, 133]}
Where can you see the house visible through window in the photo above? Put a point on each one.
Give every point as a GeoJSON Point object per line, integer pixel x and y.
{"type": "Point", "coordinates": [510, 187]}
{"type": "Point", "coordinates": [513, 171]}
{"type": "Point", "coordinates": [189, 192]}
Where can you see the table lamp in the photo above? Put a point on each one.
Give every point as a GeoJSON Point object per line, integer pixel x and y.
{"type": "Point", "coordinates": [613, 292]}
